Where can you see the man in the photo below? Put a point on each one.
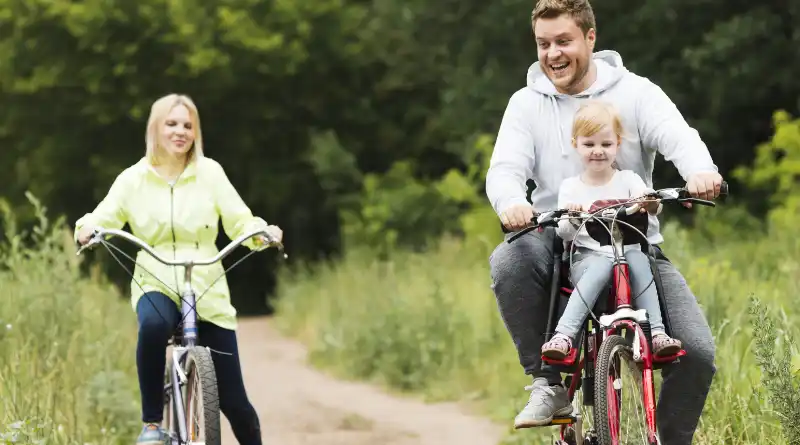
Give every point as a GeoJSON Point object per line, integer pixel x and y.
{"type": "Point", "coordinates": [534, 142]}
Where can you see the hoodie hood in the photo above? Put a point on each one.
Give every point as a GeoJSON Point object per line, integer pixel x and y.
{"type": "Point", "coordinates": [610, 70]}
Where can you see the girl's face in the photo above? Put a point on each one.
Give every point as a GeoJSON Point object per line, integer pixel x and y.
{"type": "Point", "coordinates": [177, 132]}
{"type": "Point", "coordinates": [599, 150]}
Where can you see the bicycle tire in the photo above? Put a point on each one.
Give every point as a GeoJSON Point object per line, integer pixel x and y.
{"type": "Point", "coordinates": [200, 370]}
{"type": "Point", "coordinates": [608, 350]}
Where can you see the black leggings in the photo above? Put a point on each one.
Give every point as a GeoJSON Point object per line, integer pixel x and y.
{"type": "Point", "coordinates": [158, 318]}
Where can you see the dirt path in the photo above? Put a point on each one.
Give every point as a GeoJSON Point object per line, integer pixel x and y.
{"type": "Point", "coordinates": [299, 405]}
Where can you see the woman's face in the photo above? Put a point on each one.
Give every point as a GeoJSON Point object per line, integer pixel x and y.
{"type": "Point", "coordinates": [177, 132]}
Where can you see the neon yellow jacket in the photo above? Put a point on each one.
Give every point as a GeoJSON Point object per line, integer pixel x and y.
{"type": "Point", "coordinates": [179, 222]}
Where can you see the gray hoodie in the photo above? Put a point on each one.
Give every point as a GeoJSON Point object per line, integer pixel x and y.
{"type": "Point", "coordinates": [534, 140]}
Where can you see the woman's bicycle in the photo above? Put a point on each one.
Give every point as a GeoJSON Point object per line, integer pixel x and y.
{"type": "Point", "coordinates": [619, 342]}
{"type": "Point", "coordinates": [191, 399]}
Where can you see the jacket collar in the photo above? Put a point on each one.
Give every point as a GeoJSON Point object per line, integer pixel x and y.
{"type": "Point", "coordinates": [145, 168]}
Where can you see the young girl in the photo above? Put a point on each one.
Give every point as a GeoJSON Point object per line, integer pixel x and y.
{"type": "Point", "coordinates": [596, 135]}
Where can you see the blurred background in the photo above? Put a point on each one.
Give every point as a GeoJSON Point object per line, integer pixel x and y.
{"type": "Point", "coordinates": [364, 129]}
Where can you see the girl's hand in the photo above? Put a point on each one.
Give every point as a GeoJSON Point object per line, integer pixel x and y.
{"type": "Point", "coordinates": [574, 207]}
{"type": "Point", "coordinates": [650, 205]}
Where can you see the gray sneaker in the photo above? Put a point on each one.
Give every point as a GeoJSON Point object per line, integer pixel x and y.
{"type": "Point", "coordinates": [151, 434]}
{"type": "Point", "coordinates": [545, 402]}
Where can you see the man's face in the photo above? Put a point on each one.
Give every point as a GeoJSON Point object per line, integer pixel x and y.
{"type": "Point", "coordinates": [564, 52]}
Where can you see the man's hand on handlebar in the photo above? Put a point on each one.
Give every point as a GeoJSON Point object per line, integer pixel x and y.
{"type": "Point", "coordinates": [704, 185]}
{"type": "Point", "coordinates": [517, 217]}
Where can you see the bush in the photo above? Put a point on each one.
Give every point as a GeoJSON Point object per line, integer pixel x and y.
{"type": "Point", "coordinates": [67, 370]}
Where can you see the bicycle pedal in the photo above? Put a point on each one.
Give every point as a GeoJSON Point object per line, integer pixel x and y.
{"type": "Point", "coordinates": [564, 420]}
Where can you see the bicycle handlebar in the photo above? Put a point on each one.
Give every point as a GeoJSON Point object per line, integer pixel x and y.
{"type": "Point", "coordinates": [673, 194]}
{"type": "Point", "coordinates": [99, 234]}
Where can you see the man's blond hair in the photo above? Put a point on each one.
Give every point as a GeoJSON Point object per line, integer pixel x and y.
{"type": "Point", "coordinates": [579, 10]}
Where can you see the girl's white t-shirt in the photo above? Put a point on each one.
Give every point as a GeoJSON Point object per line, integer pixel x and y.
{"type": "Point", "coordinates": [623, 184]}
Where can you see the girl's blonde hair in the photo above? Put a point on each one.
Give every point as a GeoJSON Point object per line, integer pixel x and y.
{"type": "Point", "coordinates": [592, 116]}
{"type": "Point", "coordinates": [158, 114]}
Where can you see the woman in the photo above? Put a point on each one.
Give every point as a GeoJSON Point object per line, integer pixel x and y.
{"type": "Point", "coordinates": [173, 199]}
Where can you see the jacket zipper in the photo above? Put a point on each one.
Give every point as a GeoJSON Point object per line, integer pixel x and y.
{"type": "Point", "coordinates": [172, 229]}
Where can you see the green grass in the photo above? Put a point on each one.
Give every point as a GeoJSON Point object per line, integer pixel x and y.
{"type": "Point", "coordinates": [67, 369]}
{"type": "Point", "coordinates": [427, 323]}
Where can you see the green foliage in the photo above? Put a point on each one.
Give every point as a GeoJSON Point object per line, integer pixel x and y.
{"type": "Point", "coordinates": [26, 431]}
{"type": "Point", "coordinates": [777, 169]}
{"type": "Point", "coordinates": [66, 372]}
{"type": "Point", "coordinates": [396, 209]}
{"type": "Point", "coordinates": [413, 322]}
{"type": "Point", "coordinates": [779, 376]}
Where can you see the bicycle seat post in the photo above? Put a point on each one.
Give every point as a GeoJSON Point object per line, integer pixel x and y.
{"type": "Point", "coordinates": [188, 311]}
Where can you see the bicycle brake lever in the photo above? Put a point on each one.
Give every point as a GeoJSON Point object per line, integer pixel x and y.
{"type": "Point", "coordinates": [280, 249]}
{"type": "Point", "coordinates": [704, 202]}
{"type": "Point", "coordinates": [91, 243]}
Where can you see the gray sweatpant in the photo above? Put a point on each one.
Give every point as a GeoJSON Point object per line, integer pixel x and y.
{"type": "Point", "coordinates": [591, 273]}
{"type": "Point", "coordinates": [521, 274]}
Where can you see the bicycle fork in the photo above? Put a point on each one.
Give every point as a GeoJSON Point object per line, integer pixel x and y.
{"type": "Point", "coordinates": [178, 379]}
{"type": "Point", "coordinates": [178, 376]}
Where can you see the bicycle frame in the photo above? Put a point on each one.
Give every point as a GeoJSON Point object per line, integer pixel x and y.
{"type": "Point", "coordinates": [619, 316]}
{"type": "Point", "coordinates": [188, 310]}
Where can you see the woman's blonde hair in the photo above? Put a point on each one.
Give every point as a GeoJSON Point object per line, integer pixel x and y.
{"type": "Point", "coordinates": [592, 116]}
{"type": "Point", "coordinates": [158, 114]}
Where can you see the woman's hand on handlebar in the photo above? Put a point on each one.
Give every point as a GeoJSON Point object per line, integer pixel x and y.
{"type": "Point", "coordinates": [85, 234]}
{"type": "Point", "coordinates": [275, 236]}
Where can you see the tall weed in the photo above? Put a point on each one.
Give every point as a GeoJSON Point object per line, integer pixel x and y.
{"type": "Point", "coordinates": [67, 370]}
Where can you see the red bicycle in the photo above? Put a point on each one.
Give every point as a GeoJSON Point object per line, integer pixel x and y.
{"type": "Point", "coordinates": [618, 343]}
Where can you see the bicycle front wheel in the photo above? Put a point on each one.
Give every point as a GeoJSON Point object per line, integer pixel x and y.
{"type": "Point", "coordinates": [202, 398]}
{"type": "Point", "coordinates": [620, 414]}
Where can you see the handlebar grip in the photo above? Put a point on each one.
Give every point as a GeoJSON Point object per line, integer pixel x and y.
{"type": "Point", "coordinates": [522, 232]}
{"type": "Point", "coordinates": [505, 230]}
{"type": "Point", "coordinates": [723, 189]}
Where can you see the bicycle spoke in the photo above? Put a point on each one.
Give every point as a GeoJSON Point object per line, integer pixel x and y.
{"type": "Point", "coordinates": [621, 414]}
{"type": "Point", "coordinates": [633, 422]}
